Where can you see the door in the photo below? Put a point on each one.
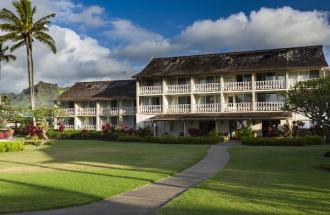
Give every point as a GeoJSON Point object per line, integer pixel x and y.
{"type": "Point", "coordinates": [206, 126]}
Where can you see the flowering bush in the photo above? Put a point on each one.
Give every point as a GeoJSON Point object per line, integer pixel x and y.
{"type": "Point", "coordinates": [194, 132]}
{"type": "Point", "coordinates": [107, 128]}
{"type": "Point", "coordinates": [61, 128]}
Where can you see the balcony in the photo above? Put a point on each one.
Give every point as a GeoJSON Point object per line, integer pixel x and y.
{"type": "Point", "coordinates": [237, 86]}
{"type": "Point", "coordinates": [87, 127]}
{"type": "Point", "coordinates": [270, 85]}
{"type": "Point", "coordinates": [150, 90]}
{"type": "Point", "coordinates": [238, 107]}
{"type": "Point", "coordinates": [180, 108]}
{"type": "Point", "coordinates": [179, 88]}
{"type": "Point", "coordinates": [128, 110]}
{"type": "Point", "coordinates": [214, 107]}
{"type": "Point", "coordinates": [270, 106]}
{"type": "Point", "coordinates": [208, 87]}
{"type": "Point", "coordinates": [70, 127]}
{"type": "Point", "coordinates": [86, 111]}
{"type": "Point", "coordinates": [68, 111]}
{"type": "Point", "coordinates": [151, 109]}
{"type": "Point", "coordinates": [292, 82]}
{"type": "Point", "coordinates": [109, 111]}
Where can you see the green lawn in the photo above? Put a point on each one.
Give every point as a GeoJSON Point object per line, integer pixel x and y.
{"type": "Point", "coordinates": [76, 172]}
{"type": "Point", "coordinates": [262, 180]}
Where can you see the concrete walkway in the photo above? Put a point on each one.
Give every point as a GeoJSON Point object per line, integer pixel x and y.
{"type": "Point", "coordinates": [149, 198]}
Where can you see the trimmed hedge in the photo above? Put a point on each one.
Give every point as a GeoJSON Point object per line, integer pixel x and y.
{"type": "Point", "coordinates": [11, 146]}
{"type": "Point", "coordinates": [98, 135]}
{"type": "Point", "coordinates": [285, 141]}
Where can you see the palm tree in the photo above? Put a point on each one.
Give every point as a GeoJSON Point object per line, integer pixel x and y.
{"type": "Point", "coordinates": [5, 57]}
{"type": "Point", "coordinates": [21, 29]}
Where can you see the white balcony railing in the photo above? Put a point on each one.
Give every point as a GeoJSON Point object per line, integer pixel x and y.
{"type": "Point", "coordinates": [109, 111]}
{"type": "Point", "coordinates": [71, 127]}
{"type": "Point", "coordinates": [181, 108]}
{"type": "Point", "coordinates": [148, 90]}
{"type": "Point", "coordinates": [86, 111]}
{"type": "Point", "coordinates": [214, 107]}
{"type": "Point", "coordinates": [293, 82]}
{"type": "Point", "coordinates": [208, 87]}
{"type": "Point", "coordinates": [179, 88]}
{"type": "Point", "coordinates": [238, 107]}
{"type": "Point", "coordinates": [269, 85]}
{"type": "Point", "coordinates": [151, 109]}
{"type": "Point", "coordinates": [87, 127]}
{"type": "Point", "coordinates": [237, 86]}
{"type": "Point", "coordinates": [270, 106]}
{"type": "Point", "coordinates": [128, 110]}
{"type": "Point", "coordinates": [68, 111]}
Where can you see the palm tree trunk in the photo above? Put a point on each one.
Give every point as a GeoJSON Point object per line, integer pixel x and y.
{"type": "Point", "coordinates": [28, 55]}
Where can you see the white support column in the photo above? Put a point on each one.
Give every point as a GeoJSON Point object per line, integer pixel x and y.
{"type": "Point", "coordinates": [222, 97]}
{"type": "Point", "coordinates": [137, 97]}
{"type": "Point", "coordinates": [164, 100]}
{"type": "Point", "coordinates": [120, 116]}
{"type": "Point", "coordinates": [75, 119]}
{"type": "Point", "coordinates": [98, 121]}
{"type": "Point", "coordinates": [192, 97]}
{"type": "Point", "coordinates": [254, 104]}
{"type": "Point", "coordinates": [287, 81]}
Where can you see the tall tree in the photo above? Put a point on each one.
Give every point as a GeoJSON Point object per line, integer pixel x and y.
{"type": "Point", "coordinates": [21, 29]}
{"type": "Point", "coordinates": [4, 56]}
{"type": "Point", "coordinates": [312, 99]}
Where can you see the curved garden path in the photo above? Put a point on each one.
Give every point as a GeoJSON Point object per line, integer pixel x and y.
{"type": "Point", "coordinates": [147, 199]}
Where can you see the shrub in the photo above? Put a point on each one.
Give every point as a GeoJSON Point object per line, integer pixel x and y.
{"type": "Point", "coordinates": [194, 132]}
{"type": "Point", "coordinates": [11, 146]}
{"type": "Point", "coordinates": [143, 132]}
{"type": "Point", "coordinates": [213, 133]}
{"type": "Point", "coordinates": [246, 131]}
{"type": "Point", "coordinates": [286, 141]}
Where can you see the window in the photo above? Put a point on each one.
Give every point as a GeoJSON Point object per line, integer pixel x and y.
{"type": "Point", "coordinates": [307, 124]}
{"type": "Point", "coordinates": [314, 74]}
{"type": "Point", "coordinates": [210, 99]}
{"type": "Point", "coordinates": [269, 97]}
{"type": "Point", "coordinates": [155, 101]}
{"type": "Point", "coordinates": [243, 98]}
{"type": "Point", "coordinates": [171, 126]}
{"type": "Point", "coordinates": [183, 81]}
{"type": "Point", "coordinates": [113, 103]}
{"type": "Point", "coordinates": [269, 76]}
{"type": "Point", "coordinates": [183, 100]}
{"type": "Point", "coordinates": [244, 77]}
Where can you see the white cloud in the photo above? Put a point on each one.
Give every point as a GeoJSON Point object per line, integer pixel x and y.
{"type": "Point", "coordinates": [67, 11]}
{"type": "Point", "coordinates": [266, 28]}
{"type": "Point", "coordinates": [78, 59]}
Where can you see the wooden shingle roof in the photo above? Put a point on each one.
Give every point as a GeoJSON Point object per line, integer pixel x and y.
{"type": "Point", "coordinates": [283, 58]}
{"type": "Point", "coordinates": [100, 90]}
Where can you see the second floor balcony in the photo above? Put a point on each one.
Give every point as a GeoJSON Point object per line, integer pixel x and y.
{"type": "Point", "coordinates": [238, 107]}
{"type": "Point", "coordinates": [151, 90]}
{"type": "Point", "coordinates": [179, 88]}
{"type": "Point", "coordinates": [270, 85]}
{"type": "Point", "coordinates": [128, 110]}
{"type": "Point", "coordinates": [151, 109]}
{"type": "Point", "coordinates": [269, 106]}
{"type": "Point", "coordinates": [109, 111]}
{"type": "Point", "coordinates": [86, 111]}
{"type": "Point", "coordinates": [237, 86]}
{"type": "Point", "coordinates": [207, 87]}
{"type": "Point", "coordinates": [179, 108]}
{"type": "Point", "coordinates": [212, 107]}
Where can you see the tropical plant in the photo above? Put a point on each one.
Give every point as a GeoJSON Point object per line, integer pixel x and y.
{"type": "Point", "coordinates": [21, 29]}
{"type": "Point", "coordinates": [4, 56]}
{"type": "Point", "coordinates": [312, 99]}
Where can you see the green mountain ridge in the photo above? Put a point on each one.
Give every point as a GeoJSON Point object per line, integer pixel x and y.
{"type": "Point", "coordinates": [45, 94]}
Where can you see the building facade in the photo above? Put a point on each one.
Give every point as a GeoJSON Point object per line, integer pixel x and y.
{"type": "Point", "coordinates": [89, 105]}
{"type": "Point", "coordinates": [223, 91]}
{"type": "Point", "coordinates": [209, 92]}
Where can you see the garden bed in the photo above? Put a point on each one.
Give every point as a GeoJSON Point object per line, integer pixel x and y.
{"type": "Point", "coordinates": [283, 141]}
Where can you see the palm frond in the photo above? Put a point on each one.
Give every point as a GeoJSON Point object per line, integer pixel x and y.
{"type": "Point", "coordinates": [17, 45]}
{"type": "Point", "coordinates": [20, 10]}
{"type": "Point", "coordinates": [50, 44]}
{"type": "Point", "coordinates": [45, 19]}
{"type": "Point", "coordinates": [8, 58]}
{"type": "Point", "coordinates": [44, 36]}
{"type": "Point", "coordinates": [9, 27]}
{"type": "Point", "coordinates": [9, 36]}
{"type": "Point", "coordinates": [7, 15]}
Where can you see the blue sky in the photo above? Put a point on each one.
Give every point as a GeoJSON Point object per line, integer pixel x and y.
{"type": "Point", "coordinates": [170, 17]}
{"type": "Point", "coordinates": [115, 39]}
